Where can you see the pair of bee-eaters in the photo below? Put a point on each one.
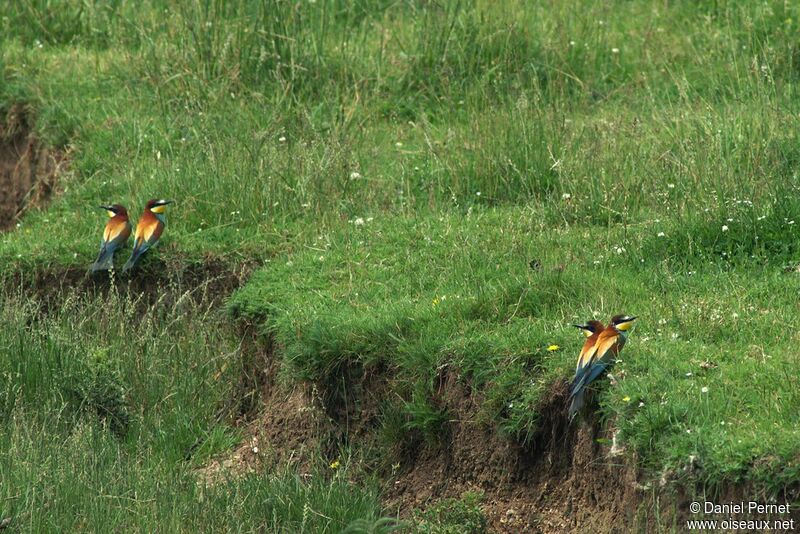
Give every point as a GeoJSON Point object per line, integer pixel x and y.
{"type": "Point", "coordinates": [600, 350]}
{"type": "Point", "coordinates": [118, 229]}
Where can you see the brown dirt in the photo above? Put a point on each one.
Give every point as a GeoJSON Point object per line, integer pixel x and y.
{"type": "Point", "coordinates": [29, 171]}
{"type": "Point", "coordinates": [209, 282]}
{"type": "Point", "coordinates": [564, 481]}
{"type": "Point", "coordinates": [291, 431]}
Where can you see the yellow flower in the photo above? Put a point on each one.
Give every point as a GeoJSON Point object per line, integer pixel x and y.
{"type": "Point", "coordinates": [626, 398]}
{"type": "Point", "coordinates": [334, 464]}
{"type": "Point", "coordinates": [436, 301]}
{"type": "Point", "coordinates": [553, 348]}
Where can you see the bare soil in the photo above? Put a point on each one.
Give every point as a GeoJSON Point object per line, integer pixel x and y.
{"type": "Point", "coordinates": [570, 478]}
{"type": "Point", "coordinates": [286, 427]}
{"type": "Point", "coordinates": [209, 282]}
{"type": "Point", "coordinates": [564, 481]}
{"type": "Point", "coordinates": [29, 170]}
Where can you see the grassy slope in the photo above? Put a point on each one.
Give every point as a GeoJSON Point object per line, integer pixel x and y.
{"type": "Point", "coordinates": [455, 134]}
{"type": "Point", "coordinates": [475, 305]}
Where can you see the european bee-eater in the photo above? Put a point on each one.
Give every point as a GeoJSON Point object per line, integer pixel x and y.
{"type": "Point", "coordinates": [601, 356]}
{"type": "Point", "coordinates": [592, 331]}
{"type": "Point", "coordinates": [148, 230]}
{"type": "Point", "coordinates": [118, 228]}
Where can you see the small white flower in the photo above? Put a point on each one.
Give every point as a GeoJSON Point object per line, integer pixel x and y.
{"type": "Point", "coordinates": [358, 221]}
{"type": "Point", "coordinates": [704, 389]}
{"type": "Point", "coordinates": [724, 227]}
{"type": "Point", "coordinates": [321, 258]}
{"type": "Point", "coordinates": [615, 50]}
{"type": "Point", "coordinates": [282, 139]}
{"type": "Point", "coordinates": [688, 374]}
{"type": "Point", "coordinates": [671, 186]}
{"type": "Point", "coordinates": [566, 196]}
{"type": "Point", "coordinates": [478, 193]}
{"type": "Point", "coordinates": [255, 450]}
{"type": "Point", "coordinates": [355, 175]}
{"type": "Point", "coordinates": [398, 144]}
{"type": "Point", "coordinates": [619, 250]}
{"type": "Point", "coordinates": [660, 234]}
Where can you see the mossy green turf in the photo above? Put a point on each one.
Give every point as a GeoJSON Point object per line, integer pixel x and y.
{"type": "Point", "coordinates": [394, 168]}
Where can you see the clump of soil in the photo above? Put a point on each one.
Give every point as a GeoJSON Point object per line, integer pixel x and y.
{"type": "Point", "coordinates": [209, 282]}
{"type": "Point", "coordinates": [28, 170]}
{"type": "Point", "coordinates": [563, 482]}
{"type": "Point", "coordinates": [571, 477]}
{"type": "Point", "coordinates": [286, 426]}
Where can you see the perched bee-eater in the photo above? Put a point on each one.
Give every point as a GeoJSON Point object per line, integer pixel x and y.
{"type": "Point", "coordinates": [601, 356]}
{"type": "Point", "coordinates": [148, 230]}
{"type": "Point", "coordinates": [118, 228]}
{"type": "Point", "coordinates": [592, 331]}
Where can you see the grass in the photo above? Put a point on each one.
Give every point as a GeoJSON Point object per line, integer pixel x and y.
{"type": "Point", "coordinates": [393, 169]}
{"type": "Point", "coordinates": [105, 423]}
{"type": "Point", "coordinates": [476, 306]}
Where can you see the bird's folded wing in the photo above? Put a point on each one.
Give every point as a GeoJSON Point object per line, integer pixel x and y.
{"type": "Point", "coordinates": [153, 231]}
{"type": "Point", "coordinates": [585, 357]}
{"type": "Point", "coordinates": [114, 229]}
{"type": "Point", "coordinates": [604, 346]}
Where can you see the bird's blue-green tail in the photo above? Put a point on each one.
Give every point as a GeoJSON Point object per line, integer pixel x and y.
{"type": "Point", "coordinates": [136, 255]}
{"type": "Point", "coordinates": [576, 403]}
{"type": "Point", "coordinates": [104, 261]}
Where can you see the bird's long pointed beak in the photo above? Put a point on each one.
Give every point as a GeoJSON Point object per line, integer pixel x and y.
{"type": "Point", "coordinates": [107, 208]}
